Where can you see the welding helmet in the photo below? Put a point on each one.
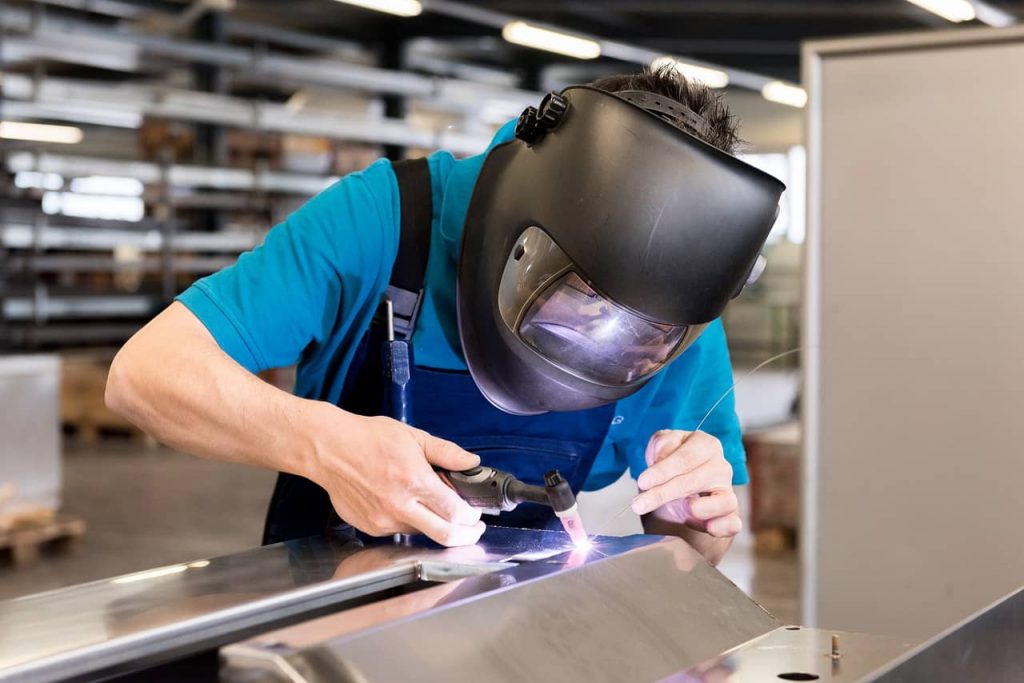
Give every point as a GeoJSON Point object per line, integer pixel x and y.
{"type": "Point", "coordinates": [598, 245]}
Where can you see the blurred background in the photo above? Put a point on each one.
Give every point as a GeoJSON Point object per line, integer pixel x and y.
{"type": "Point", "coordinates": [146, 143]}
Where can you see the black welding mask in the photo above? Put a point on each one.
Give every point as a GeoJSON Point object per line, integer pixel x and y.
{"type": "Point", "coordinates": [598, 245]}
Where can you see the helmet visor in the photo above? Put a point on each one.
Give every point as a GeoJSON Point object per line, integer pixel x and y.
{"type": "Point", "coordinates": [554, 311]}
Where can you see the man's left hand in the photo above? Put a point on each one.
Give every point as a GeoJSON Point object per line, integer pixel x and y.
{"type": "Point", "coordinates": [689, 481]}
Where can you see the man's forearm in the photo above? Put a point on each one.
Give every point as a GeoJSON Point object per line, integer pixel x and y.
{"type": "Point", "coordinates": [173, 381]}
{"type": "Point", "coordinates": [712, 548]}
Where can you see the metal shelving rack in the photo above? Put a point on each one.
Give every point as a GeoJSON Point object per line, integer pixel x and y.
{"type": "Point", "coordinates": [68, 281]}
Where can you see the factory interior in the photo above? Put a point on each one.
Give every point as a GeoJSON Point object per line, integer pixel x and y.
{"type": "Point", "coordinates": [204, 178]}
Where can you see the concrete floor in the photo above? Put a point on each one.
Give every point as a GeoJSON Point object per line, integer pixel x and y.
{"type": "Point", "coordinates": [146, 508]}
{"type": "Point", "coordinates": [151, 507]}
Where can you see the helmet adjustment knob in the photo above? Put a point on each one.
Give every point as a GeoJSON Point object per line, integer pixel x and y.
{"type": "Point", "coordinates": [552, 110]}
{"type": "Point", "coordinates": [534, 122]}
{"type": "Point", "coordinates": [527, 128]}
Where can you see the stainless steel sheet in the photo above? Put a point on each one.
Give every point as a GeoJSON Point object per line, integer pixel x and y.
{"type": "Point", "coordinates": [798, 654]}
{"type": "Point", "coordinates": [151, 616]}
{"type": "Point", "coordinates": [631, 609]}
{"type": "Point", "coordinates": [986, 646]}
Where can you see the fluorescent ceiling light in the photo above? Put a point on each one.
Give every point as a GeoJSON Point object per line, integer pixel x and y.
{"type": "Point", "coordinates": [950, 10]}
{"type": "Point", "coordinates": [521, 33]}
{"type": "Point", "coordinates": [400, 8]}
{"type": "Point", "coordinates": [993, 16]}
{"type": "Point", "coordinates": [784, 93]}
{"type": "Point", "coordinates": [714, 78]}
{"type": "Point", "coordinates": [40, 132]}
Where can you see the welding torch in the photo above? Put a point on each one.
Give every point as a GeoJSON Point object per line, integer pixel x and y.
{"type": "Point", "coordinates": [495, 491]}
{"type": "Point", "coordinates": [483, 487]}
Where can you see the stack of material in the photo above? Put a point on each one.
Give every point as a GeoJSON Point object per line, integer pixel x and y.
{"type": "Point", "coordinates": [82, 407]}
{"type": "Point", "coordinates": [774, 462]}
{"type": "Point", "coordinates": [30, 472]}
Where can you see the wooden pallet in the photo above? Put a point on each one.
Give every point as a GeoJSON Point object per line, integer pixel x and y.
{"type": "Point", "coordinates": [84, 413]}
{"type": "Point", "coordinates": [26, 539]}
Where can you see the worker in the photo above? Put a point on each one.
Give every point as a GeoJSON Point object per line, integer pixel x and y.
{"type": "Point", "coordinates": [561, 291]}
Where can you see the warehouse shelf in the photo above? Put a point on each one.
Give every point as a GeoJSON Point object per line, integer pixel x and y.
{"type": "Point", "coordinates": [125, 106]}
{"type": "Point", "coordinates": [93, 239]}
{"type": "Point", "coordinates": [44, 307]}
{"type": "Point", "coordinates": [174, 174]}
{"type": "Point", "coordinates": [81, 42]}
{"type": "Point", "coordinates": [58, 334]}
{"type": "Point", "coordinates": [109, 264]}
{"type": "Point", "coordinates": [98, 280]}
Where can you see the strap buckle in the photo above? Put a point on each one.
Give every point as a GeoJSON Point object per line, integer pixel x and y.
{"type": "Point", "coordinates": [405, 310]}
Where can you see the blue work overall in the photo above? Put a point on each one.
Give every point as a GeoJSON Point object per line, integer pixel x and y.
{"type": "Point", "coordinates": [448, 405]}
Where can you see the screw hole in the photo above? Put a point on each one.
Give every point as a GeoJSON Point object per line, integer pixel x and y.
{"type": "Point", "coordinates": [519, 252]}
{"type": "Point", "coordinates": [792, 628]}
{"type": "Point", "coordinates": [798, 676]}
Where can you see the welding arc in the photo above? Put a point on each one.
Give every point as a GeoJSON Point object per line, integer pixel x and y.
{"type": "Point", "coordinates": [717, 403]}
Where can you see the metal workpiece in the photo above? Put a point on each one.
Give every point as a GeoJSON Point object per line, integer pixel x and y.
{"type": "Point", "coordinates": [795, 653]}
{"type": "Point", "coordinates": [146, 618]}
{"type": "Point", "coordinates": [629, 609]}
{"type": "Point", "coordinates": [986, 646]}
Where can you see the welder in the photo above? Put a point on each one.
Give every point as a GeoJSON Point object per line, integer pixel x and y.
{"type": "Point", "coordinates": [557, 297]}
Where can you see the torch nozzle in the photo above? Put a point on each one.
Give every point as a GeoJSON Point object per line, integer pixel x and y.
{"type": "Point", "coordinates": [563, 502]}
{"type": "Point", "coordinates": [573, 525]}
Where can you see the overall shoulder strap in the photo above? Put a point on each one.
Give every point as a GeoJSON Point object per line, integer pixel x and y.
{"type": "Point", "coordinates": [405, 289]}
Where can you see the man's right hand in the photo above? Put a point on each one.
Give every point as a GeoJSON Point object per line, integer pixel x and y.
{"type": "Point", "coordinates": [379, 474]}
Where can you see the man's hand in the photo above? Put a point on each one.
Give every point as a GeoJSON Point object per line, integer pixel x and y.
{"type": "Point", "coordinates": [379, 476]}
{"type": "Point", "coordinates": [688, 481]}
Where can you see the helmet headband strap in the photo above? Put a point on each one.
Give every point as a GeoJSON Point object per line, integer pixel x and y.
{"type": "Point", "coordinates": [679, 115]}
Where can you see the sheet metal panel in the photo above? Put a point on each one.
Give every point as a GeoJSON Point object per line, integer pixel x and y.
{"type": "Point", "coordinates": [139, 619]}
{"type": "Point", "coordinates": [914, 374]}
{"type": "Point", "coordinates": [622, 614]}
{"type": "Point", "coordinates": [984, 647]}
{"type": "Point", "coordinates": [798, 654]}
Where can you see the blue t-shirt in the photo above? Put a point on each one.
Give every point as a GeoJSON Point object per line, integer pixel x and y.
{"type": "Point", "coordinates": [309, 292]}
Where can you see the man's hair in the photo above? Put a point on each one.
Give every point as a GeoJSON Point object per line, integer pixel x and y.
{"type": "Point", "coordinates": [699, 98]}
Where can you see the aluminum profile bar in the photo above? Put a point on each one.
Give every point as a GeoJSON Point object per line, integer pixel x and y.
{"type": "Point", "coordinates": [107, 264]}
{"type": "Point", "coordinates": [65, 333]}
{"type": "Point", "coordinates": [125, 105]}
{"type": "Point", "coordinates": [81, 50]}
{"type": "Point", "coordinates": [177, 175]}
{"type": "Point", "coordinates": [44, 307]}
{"type": "Point", "coordinates": [73, 238]}
{"type": "Point", "coordinates": [111, 8]}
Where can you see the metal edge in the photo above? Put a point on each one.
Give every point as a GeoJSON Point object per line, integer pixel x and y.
{"type": "Point", "coordinates": [911, 40]}
{"type": "Point", "coordinates": [169, 640]}
{"type": "Point", "coordinates": [811, 324]}
{"type": "Point", "coordinates": [936, 639]}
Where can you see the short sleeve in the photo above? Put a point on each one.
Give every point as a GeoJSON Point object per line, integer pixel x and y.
{"type": "Point", "coordinates": [324, 264]}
